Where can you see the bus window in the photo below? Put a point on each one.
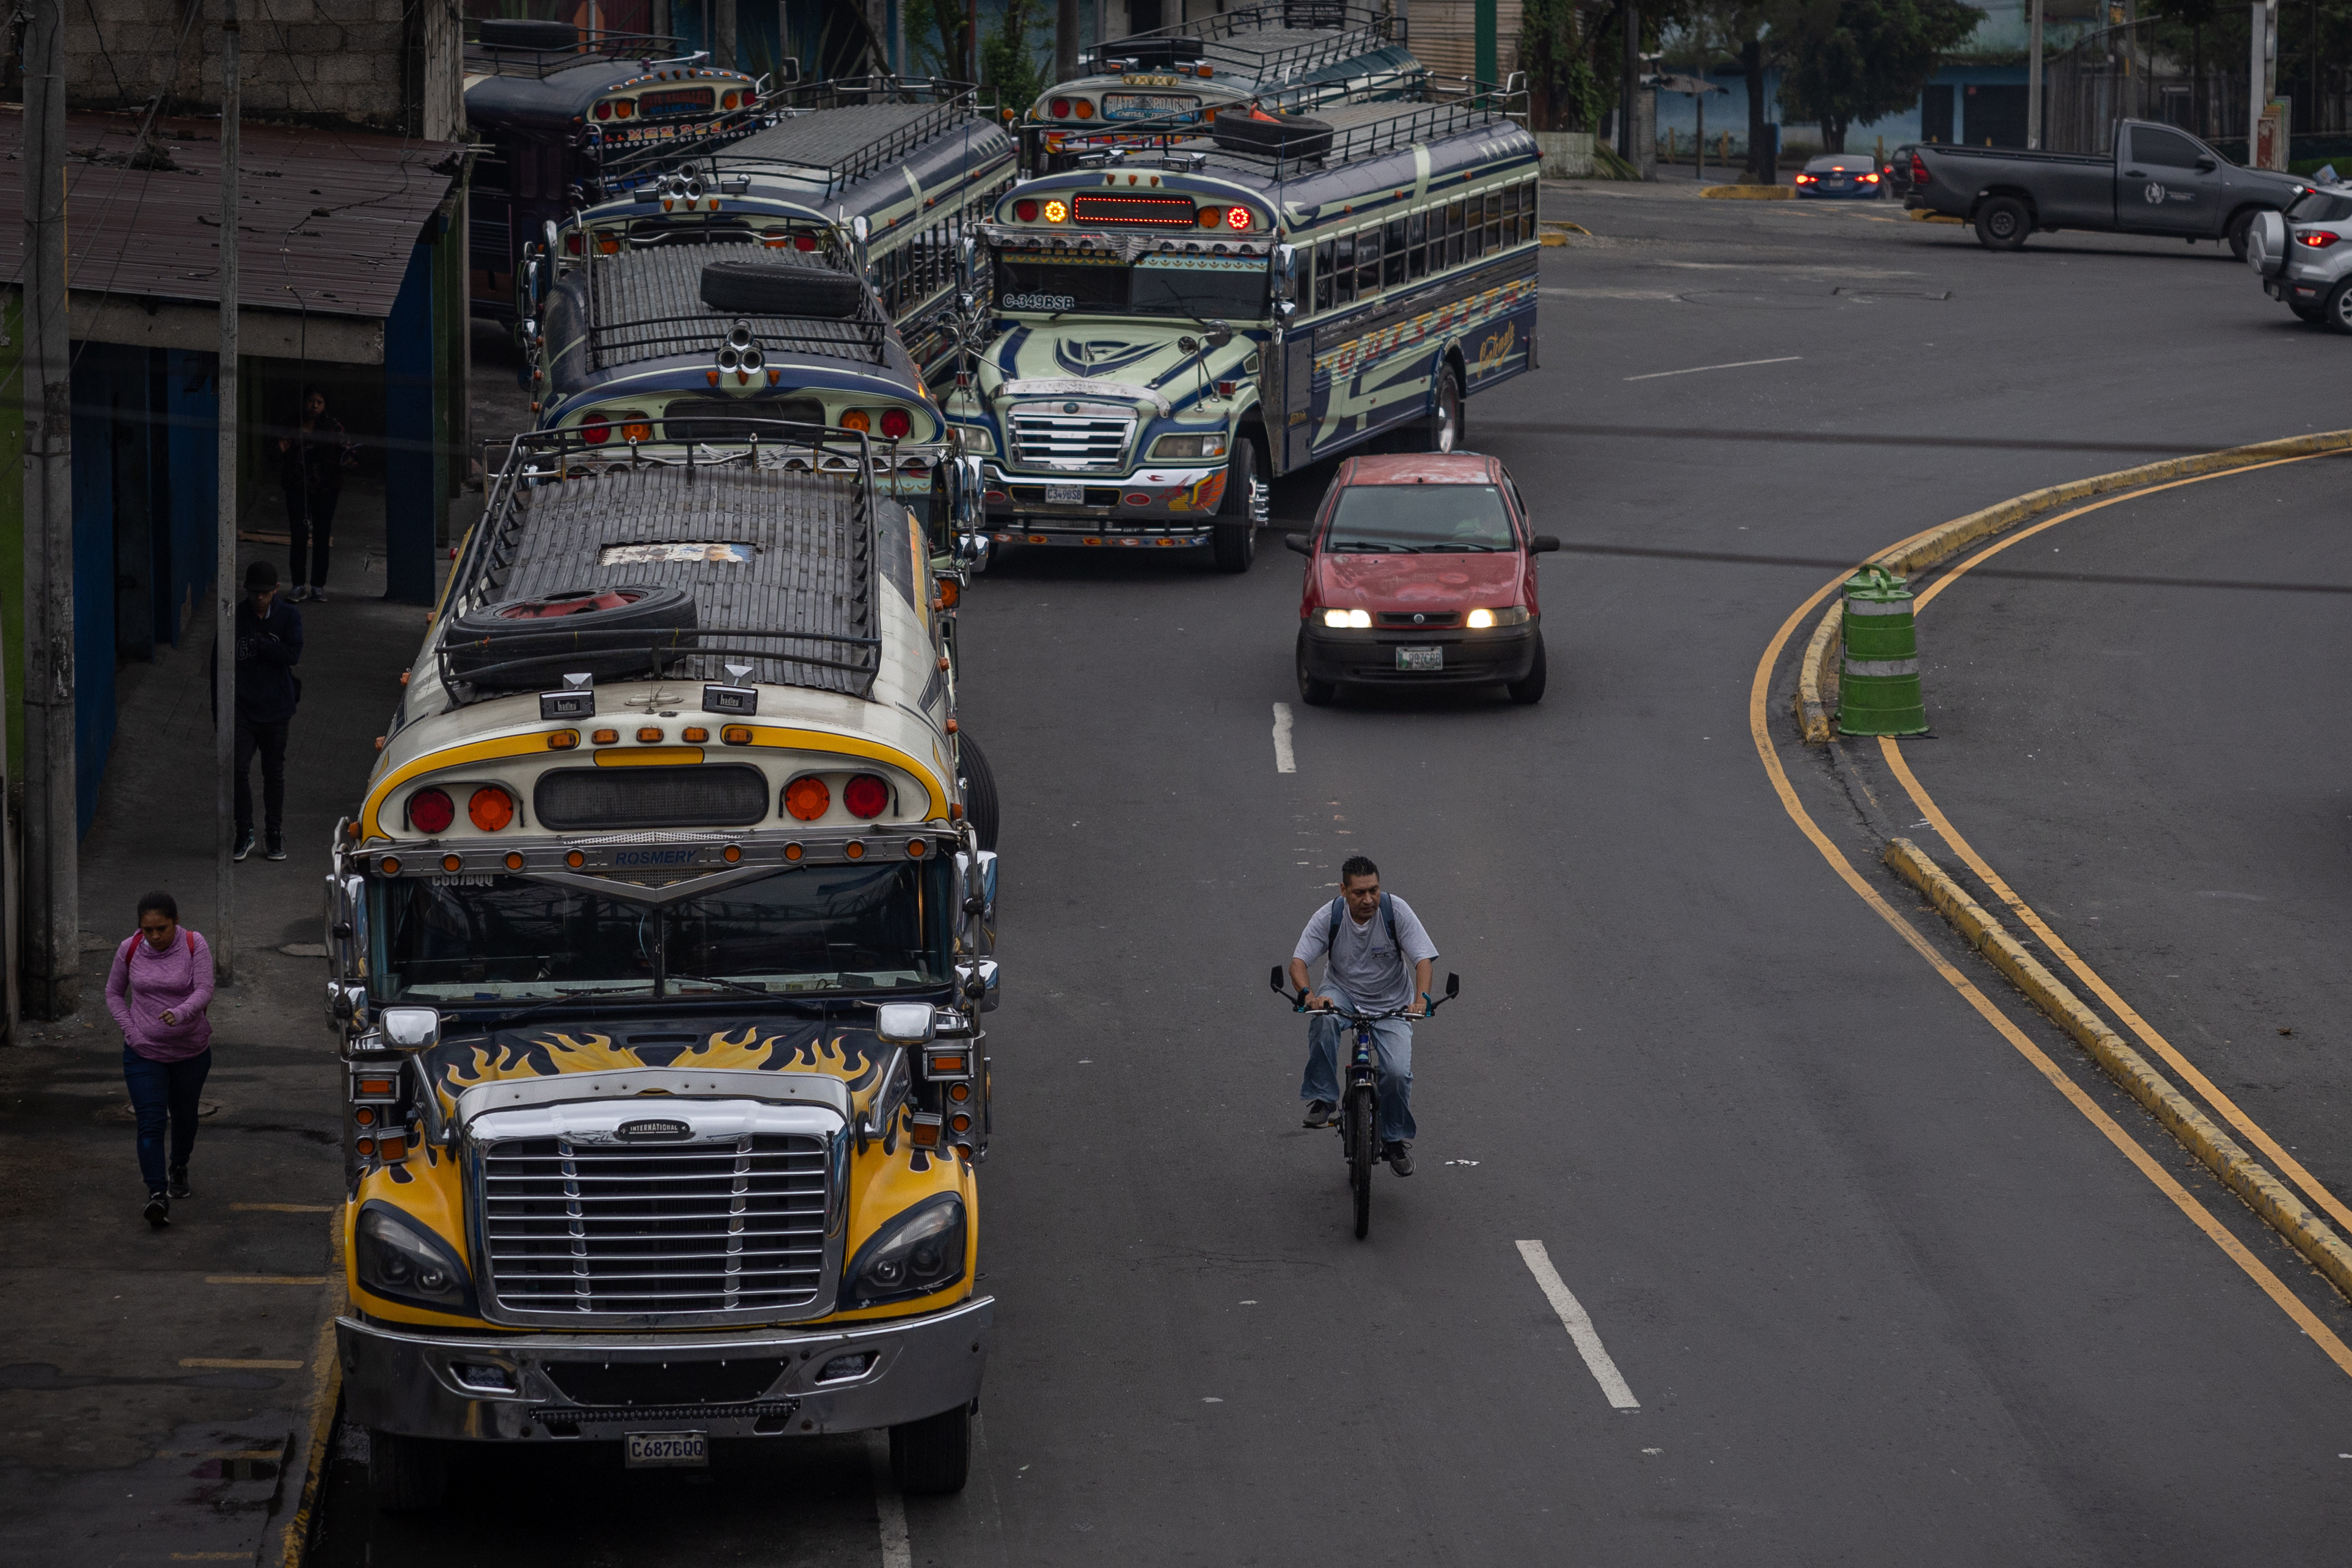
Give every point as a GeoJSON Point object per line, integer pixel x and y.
{"type": "Point", "coordinates": [1494, 220]}
{"type": "Point", "coordinates": [1323, 255]}
{"type": "Point", "coordinates": [1453, 234]}
{"type": "Point", "coordinates": [1368, 262]}
{"type": "Point", "coordinates": [1392, 259]}
{"type": "Point", "coordinates": [1416, 245]}
{"type": "Point", "coordinates": [1511, 226]}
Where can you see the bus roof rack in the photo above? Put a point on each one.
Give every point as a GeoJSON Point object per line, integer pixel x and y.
{"type": "Point", "coordinates": [514, 46]}
{"type": "Point", "coordinates": [1358, 130]}
{"type": "Point", "coordinates": [647, 304]}
{"type": "Point", "coordinates": [1262, 41]}
{"type": "Point", "coordinates": [772, 532]}
{"type": "Point", "coordinates": [846, 128]}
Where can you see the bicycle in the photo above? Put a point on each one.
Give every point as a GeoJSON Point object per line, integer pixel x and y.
{"type": "Point", "coordinates": [1360, 1097]}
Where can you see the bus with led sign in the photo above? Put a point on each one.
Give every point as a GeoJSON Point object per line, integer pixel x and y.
{"type": "Point", "coordinates": [660, 947]}
{"type": "Point", "coordinates": [553, 106]}
{"type": "Point", "coordinates": [1175, 328]}
{"type": "Point", "coordinates": [921, 162]}
{"type": "Point", "coordinates": [1153, 86]}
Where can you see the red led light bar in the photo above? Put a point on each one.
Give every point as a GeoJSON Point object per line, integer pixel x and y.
{"type": "Point", "coordinates": [1159, 212]}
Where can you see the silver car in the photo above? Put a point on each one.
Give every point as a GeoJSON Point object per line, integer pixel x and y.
{"type": "Point", "coordinates": [2304, 257]}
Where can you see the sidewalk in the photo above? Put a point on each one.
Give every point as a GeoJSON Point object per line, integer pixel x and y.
{"type": "Point", "coordinates": [156, 1389]}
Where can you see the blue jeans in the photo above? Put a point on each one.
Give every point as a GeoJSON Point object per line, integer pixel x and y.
{"type": "Point", "coordinates": [162, 1091]}
{"type": "Point", "coordinates": [1392, 1039]}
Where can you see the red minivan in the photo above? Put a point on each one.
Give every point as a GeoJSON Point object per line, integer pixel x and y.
{"type": "Point", "coordinates": [1421, 572]}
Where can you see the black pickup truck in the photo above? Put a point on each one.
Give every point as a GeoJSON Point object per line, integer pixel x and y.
{"type": "Point", "coordinates": [2161, 181]}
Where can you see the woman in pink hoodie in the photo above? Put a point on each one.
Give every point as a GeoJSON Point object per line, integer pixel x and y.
{"type": "Point", "coordinates": [161, 984]}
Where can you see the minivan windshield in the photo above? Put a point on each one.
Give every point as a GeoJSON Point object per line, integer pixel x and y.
{"type": "Point", "coordinates": [1416, 518]}
{"type": "Point", "coordinates": [810, 928]}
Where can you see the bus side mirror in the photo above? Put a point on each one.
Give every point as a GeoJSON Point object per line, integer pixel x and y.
{"type": "Point", "coordinates": [1286, 274]}
{"type": "Point", "coordinates": [967, 264]}
{"type": "Point", "coordinates": [1218, 335]}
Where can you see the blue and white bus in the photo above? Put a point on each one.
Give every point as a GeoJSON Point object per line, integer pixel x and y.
{"type": "Point", "coordinates": [1171, 328]}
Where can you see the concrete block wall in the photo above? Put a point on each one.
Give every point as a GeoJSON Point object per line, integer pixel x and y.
{"type": "Point", "coordinates": [378, 65]}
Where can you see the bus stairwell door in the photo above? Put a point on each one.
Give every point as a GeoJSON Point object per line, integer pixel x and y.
{"type": "Point", "coordinates": [1287, 394]}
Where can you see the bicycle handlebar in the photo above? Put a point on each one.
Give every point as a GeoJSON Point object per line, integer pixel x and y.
{"type": "Point", "coordinates": [1430, 1004]}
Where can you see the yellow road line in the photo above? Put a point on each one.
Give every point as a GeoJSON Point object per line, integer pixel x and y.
{"type": "Point", "coordinates": [2198, 1215]}
{"type": "Point", "coordinates": [217, 1454]}
{"type": "Point", "coordinates": [264, 1279]}
{"type": "Point", "coordinates": [2279, 1158]}
{"type": "Point", "coordinates": [222, 1362]}
{"type": "Point", "coordinates": [287, 1208]}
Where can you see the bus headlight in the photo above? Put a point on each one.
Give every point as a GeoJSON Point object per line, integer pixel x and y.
{"type": "Point", "coordinates": [399, 1262]}
{"type": "Point", "coordinates": [1206, 444]}
{"type": "Point", "coordinates": [917, 1253]}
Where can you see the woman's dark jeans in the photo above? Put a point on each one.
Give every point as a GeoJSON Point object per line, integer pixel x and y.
{"type": "Point", "coordinates": [161, 1091]}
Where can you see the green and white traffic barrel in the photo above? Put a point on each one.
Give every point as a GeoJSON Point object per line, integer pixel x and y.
{"type": "Point", "coordinates": [1878, 686]}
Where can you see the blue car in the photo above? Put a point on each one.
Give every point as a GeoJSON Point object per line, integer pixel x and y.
{"type": "Point", "coordinates": [1842, 175]}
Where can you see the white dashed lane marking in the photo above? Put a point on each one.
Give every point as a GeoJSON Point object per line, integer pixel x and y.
{"type": "Point", "coordinates": [1285, 761]}
{"type": "Point", "coordinates": [1579, 1323]}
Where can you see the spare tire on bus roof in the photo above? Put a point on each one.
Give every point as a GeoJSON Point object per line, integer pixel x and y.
{"type": "Point", "coordinates": [780, 288]}
{"type": "Point", "coordinates": [1250, 130]}
{"type": "Point", "coordinates": [541, 629]}
{"type": "Point", "coordinates": [514, 32]}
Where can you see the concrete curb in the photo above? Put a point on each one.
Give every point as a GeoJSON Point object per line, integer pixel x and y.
{"type": "Point", "coordinates": [1921, 214]}
{"type": "Point", "coordinates": [2262, 1192]}
{"type": "Point", "coordinates": [1816, 702]}
{"type": "Point", "coordinates": [1750, 193]}
{"type": "Point", "coordinates": [293, 1543]}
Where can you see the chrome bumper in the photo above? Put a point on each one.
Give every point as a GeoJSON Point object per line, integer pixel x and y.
{"type": "Point", "coordinates": [428, 1384]}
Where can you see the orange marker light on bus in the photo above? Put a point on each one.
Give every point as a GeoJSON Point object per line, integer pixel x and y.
{"type": "Point", "coordinates": [807, 798]}
{"type": "Point", "coordinates": [491, 808]}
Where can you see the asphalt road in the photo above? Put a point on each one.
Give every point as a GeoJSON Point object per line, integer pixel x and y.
{"type": "Point", "coordinates": [1881, 1293]}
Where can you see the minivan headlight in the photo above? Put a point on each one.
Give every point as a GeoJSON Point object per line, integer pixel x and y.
{"type": "Point", "coordinates": [402, 1263]}
{"type": "Point", "coordinates": [1201, 444]}
{"type": "Point", "coordinates": [917, 1253]}
{"type": "Point", "coordinates": [1357, 619]}
{"type": "Point", "coordinates": [1479, 620]}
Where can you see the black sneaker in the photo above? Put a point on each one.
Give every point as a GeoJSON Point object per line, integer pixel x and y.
{"type": "Point", "coordinates": [158, 1210]}
{"type": "Point", "coordinates": [1400, 1158]}
{"type": "Point", "coordinates": [179, 1188]}
{"type": "Point", "coordinates": [244, 844]}
{"type": "Point", "coordinates": [276, 850]}
{"type": "Point", "coordinates": [1321, 1113]}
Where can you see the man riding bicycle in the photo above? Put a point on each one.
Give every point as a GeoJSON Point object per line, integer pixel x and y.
{"type": "Point", "coordinates": [1377, 959]}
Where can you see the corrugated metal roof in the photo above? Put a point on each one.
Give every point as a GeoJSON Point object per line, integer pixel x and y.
{"type": "Point", "coordinates": [328, 218]}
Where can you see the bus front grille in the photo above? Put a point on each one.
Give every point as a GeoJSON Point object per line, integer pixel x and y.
{"type": "Point", "coordinates": [602, 1230]}
{"type": "Point", "coordinates": [1077, 443]}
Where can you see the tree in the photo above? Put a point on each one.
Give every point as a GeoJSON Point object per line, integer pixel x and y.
{"type": "Point", "coordinates": [1563, 88]}
{"type": "Point", "coordinates": [1014, 59]}
{"type": "Point", "coordinates": [1852, 60]}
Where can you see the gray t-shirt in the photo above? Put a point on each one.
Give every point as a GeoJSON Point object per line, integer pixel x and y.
{"type": "Point", "coordinates": [1364, 962]}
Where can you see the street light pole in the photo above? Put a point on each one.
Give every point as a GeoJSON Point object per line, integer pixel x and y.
{"type": "Point", "coordinates": [225, 586]}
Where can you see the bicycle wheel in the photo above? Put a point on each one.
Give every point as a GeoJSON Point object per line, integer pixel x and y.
{"type": "Point", "coordinates": [1361, 1114]}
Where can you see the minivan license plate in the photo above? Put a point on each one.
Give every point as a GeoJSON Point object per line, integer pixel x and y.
{"type": "Point", "coordinates": [1066, 495]}
{"type": "Point", "coordinates": [1421, 659]}
{"type": "Point", "coordinates": [654, 1450]}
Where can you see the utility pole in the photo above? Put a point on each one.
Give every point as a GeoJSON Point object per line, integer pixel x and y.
{"type": "Point", "coordinates": [2264, 32]}
{"type": "Point", "coordinates": [2033, 78]}
{"type": "Point", "coordinates": [1065, 40]}
{"type": "Point", "coordinates": [225, 585]}
{"type": "Point", "coordinates": [51, 962]}
{"type": "Point", "coordinates": [1630, 85]}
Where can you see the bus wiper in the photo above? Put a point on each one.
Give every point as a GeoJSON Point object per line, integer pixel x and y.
{"type": "Point", "coordinates": [580, 994]}
{"type": "Point", "coordinates": [759, 991]}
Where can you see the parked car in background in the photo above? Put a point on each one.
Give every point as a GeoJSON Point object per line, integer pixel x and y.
{"type": "Point", "coordinates": [1841, 174]}
{"type": "Point", "coordinates": [2157, 181]}
{"type": "Point", "coordinates": [2304, 257]}
{"type": "Point", "coordinates": [1421, 572]}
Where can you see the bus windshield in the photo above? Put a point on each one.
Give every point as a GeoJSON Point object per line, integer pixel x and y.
{"type": "Point", "coordinates": [1200, 288]}
{"type": "Point", "coordinates": [811, 928]}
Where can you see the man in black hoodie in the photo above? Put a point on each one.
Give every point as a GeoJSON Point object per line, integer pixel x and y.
{"type": "Point", "coordinates": [268, 646]}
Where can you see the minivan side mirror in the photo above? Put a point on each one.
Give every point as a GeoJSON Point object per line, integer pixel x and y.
{"type": "Point", "coordinates": [1542, 545]}
{"type": "Point", "coordinates": [1299, 543]}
